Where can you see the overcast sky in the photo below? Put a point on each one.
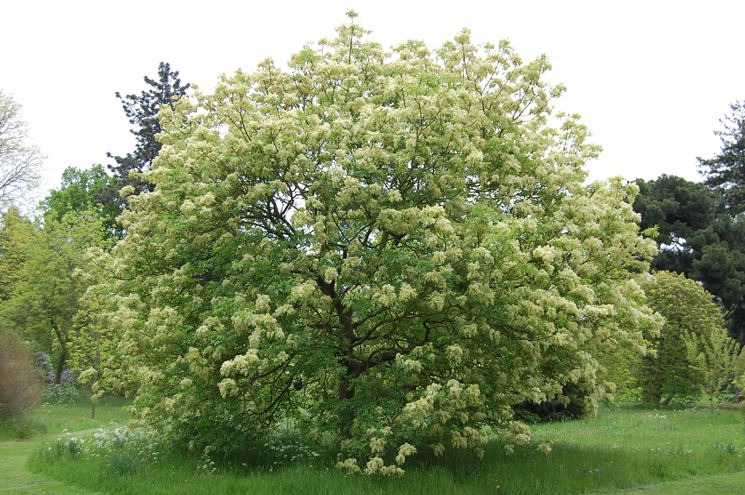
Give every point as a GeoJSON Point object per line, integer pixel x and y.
{"type": "Point", "coordinates": [650, 79]}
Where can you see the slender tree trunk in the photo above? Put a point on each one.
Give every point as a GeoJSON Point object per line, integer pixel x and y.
{"type": "Point", "coordinates": [63, 351]}
{"type": "Point", "coordinates": [93, 410]}
{"type": "Point", "coordinates": [60, 366]}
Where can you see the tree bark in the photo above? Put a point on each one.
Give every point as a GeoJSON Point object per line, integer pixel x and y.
{"type": "Point", "coordinates": [60, 366]}
{"type": "Point", "coordinates": [63, 352]}
{"type": "Point", "coordinates": [346, 412]}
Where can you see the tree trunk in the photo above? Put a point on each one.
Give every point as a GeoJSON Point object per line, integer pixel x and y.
{"type": "Point", "coordinates": [93, 410]}
{"type": "Point", "coordinates": [60, 366]}
{"type": "Point", "coordinates": [346, 411]}
{"type": "Point", "coordinates": [346, 392]}
{"type": "Point", "coordinates": [63, 352]}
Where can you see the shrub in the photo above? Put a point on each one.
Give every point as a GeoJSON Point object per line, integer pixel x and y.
{"type": "Point", "coordinates": [715, 358]}
{"type": "Point", "coordinates": [121, 450]}
{"type": "Point", "coordinates": [573, 403]}
{"type": "Point", "coordinates": [690, 312]}
{"type": "Point", "coordinates": [20, 380]}
{"type": "Point", "coordinates": [67, 391]}
{"type": "Point", "coordinates": [20, 428]}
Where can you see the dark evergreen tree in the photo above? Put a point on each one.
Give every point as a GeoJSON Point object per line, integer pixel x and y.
{"type": "Point", "coordinates": [699, 239]}
{"type": "Point", "coordinates": [142, 111]}
{"type": "Point", "coordinates": [725, 172]}
{"type": "Point", "coordinates": [685, 215]}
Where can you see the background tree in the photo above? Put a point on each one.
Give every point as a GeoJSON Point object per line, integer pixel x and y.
{"type": "Point", "coordinates": [19, 160]}
{"type": "Point", "coordinates": [690, 313]}
{"type": "Point", "coordinates": [725, 172]}
{"type": "Point", "coordinates": [699, 240]}
{"type": "Point", "coordinates": [97, 329]}
{"type": "Point", "coordinates": [142, 111]}
{"type": "Point", "coordinates": [716, 358]}
{"type": "Point", "coordinates": [81, 191]}
{"type": "Point", "coordinates": [46, 296]}
{"type": "Point", "coordinates": [740, 376]}
{"type": "Point", "coordinates": [389, 251]}
{"type": "Point", "coordinates": [685, 216]}
{"type": "Point", "coordinates": [17, 235]}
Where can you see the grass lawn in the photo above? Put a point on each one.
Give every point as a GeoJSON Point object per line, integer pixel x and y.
{"type": "Point", "coordinates": [54, 419]}
{"type": "Point", "coordinates": [621, 451]}
{"type": "Point", "coordinates": [19, 439]}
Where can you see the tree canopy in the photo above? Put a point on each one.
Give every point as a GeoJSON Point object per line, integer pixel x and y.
{"type": "Point", "coordinates": [19, 159]}
{"type": "Point", "coordinates": [81, 191]}
{"type": "Point", "coordinates": [388, 249]}
{"type": "Point", "coordinates": [725, 172]}
{"type": "Point", "coordinates": [698, 239]}
{"type": "Point", "coordinates": [40, 264]}
{"type": "Point", "coordinates": [142, 111]}
{"type": "Point", "coordinates": [690, 313]}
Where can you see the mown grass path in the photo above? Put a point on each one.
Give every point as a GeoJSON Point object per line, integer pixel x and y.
{"type": "Point", "coordinates": [716, 484]}
{"type": "Point", "coordinates": [15, 478]}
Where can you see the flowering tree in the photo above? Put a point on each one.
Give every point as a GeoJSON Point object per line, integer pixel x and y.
{"type": "Point", "coordinates": [388, 249]}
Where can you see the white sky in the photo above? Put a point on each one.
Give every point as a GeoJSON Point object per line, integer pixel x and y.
{"type": "Point", "coordinates": [650, 79]}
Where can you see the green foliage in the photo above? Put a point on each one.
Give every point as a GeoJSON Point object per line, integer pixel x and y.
{"type": "Point", "coordinates": [47, 288]}
{"type": "Point", "coordinates": [739, 369]}
{"type": "Point", "coordinates": [573, 403]}
{"type": "Point", "coordinates": [690, 313]}
{"type": "Point", "coordinates": [121, 450]}
{"type": "Point", "coordinates": [389, 249]}
{"type": "Point", "coordinates": [95, 332]}
{"type": "Point", "coordinates": [726, 171]}
{"type": "Point", "coordinates": [685, 215]}
{"type": "Point", "coordinates": [20, 380]}
{"type": "Point", "coordinates": [698, 240]}
{"type": "Point", "coordinates": [142, 112]}
{"type": "Point", "coordinates": [82, 191]}
{"type": "Point", "coordinates": [17, 236]}
{"type": "Point", "coordinates": [62, 393]}
{"type": "Point", "coordinates": [715, 357]}
{"type": "Point", "coordinates": [20, 428]}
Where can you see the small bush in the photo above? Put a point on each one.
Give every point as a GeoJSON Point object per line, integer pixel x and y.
{"type": "Point", "coordinates": [574, 404]}
{"type": "Point", "coordinates": [61, 393]}
{"type": "Point", "coordinates": [122, 450]}
{"type": "Point", "coordinates": [20, 380]}
{"type": "Point", "coordinates": [20, 429]}
{"type": "Point", "coordinates": [67, 391]}
{"type": "Point", "coordinates": [65, 446]}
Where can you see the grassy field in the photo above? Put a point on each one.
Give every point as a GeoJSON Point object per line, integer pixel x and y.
{"type": "Point", "coordinates": [54, 419]}
{"type": "Point", "coordinates": [621, 451]}
{"type": "Point", "coordinates": [19, 439]}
